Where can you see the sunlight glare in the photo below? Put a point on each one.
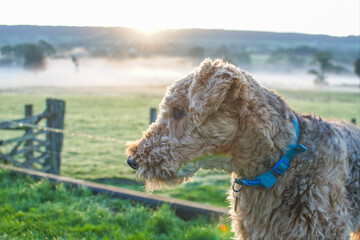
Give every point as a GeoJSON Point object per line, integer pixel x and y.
{"type": "Point", "coordinates": [148, 30]}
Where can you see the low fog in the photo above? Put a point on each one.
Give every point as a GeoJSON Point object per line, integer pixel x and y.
{"type": "Point", "coordinates": [149, 72]}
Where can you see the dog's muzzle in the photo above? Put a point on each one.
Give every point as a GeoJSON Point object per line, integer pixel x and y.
{"type": "Point", "coordinates": [132, 163]}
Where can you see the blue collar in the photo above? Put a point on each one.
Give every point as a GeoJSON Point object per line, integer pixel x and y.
{"type": "Point", "coordinates": [269, 178]}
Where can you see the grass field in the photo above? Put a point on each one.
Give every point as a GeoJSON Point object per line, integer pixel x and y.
{"type": "Point", "coordinates": [32, 209]}
{"type": "Point", "coordinates": [126, 116]}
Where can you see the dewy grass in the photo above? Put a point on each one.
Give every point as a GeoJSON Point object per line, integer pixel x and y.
{"type": "Point", "coordinates": [38, 209]}
{"type": "Point", "coordinates": [125, 117]}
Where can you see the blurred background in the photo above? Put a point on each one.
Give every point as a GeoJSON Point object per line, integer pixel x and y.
{"type": "Point", "coordinates": [111, 61]}
{"type": "Point", "coordinates": [139, 43]}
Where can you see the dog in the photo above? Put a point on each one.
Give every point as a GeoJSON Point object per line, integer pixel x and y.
{"type": "Point", "coordinates": [293, 176]}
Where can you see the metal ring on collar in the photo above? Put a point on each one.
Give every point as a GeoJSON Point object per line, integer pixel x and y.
{"type": "Point", "coordinates": [233, 186]}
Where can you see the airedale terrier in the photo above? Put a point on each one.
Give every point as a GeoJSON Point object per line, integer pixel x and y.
{"type": "Point", "coordinates": [293, 176]}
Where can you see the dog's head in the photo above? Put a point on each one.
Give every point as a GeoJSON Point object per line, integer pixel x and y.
{"type": "Point", "coordinates": [195, 128]}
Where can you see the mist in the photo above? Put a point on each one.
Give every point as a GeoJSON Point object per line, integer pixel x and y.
{"type": "Point", "coordinates": [157, 72]}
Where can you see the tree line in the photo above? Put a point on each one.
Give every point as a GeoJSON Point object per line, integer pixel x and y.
{"type": "Point", "coordinates": [319, 63]}
{"type": "Point", "coordinates": [29, 55]}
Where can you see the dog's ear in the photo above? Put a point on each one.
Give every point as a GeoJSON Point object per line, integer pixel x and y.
{"type": "Point", "coordinates": [213, 83]}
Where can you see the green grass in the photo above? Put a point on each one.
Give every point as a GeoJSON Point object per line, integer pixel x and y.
{"type": "Point", "coordinates": [125, 117]}
{"type": "Point", "coordinates": [325, 104]}
{"type": "Point", "coordinates": [38, 209]}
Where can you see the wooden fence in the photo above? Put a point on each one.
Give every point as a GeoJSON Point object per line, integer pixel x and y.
{"type": "Point", "coordinates": [184, 209]}
{"type": "Point", "coordinates": [31, 152]}
{"type": "Point", "coordinates": [39, 148]}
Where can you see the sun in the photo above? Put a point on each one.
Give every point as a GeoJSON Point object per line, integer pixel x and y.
{"type": "Point", "coordinates": [147, 30]}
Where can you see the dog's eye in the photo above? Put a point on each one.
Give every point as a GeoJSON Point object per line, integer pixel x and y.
{"type": "Point", "coordinates": [178, 113]}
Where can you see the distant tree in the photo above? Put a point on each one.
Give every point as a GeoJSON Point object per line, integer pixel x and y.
{"type": "Point", "coordinates": [303, 50]}
{"type": "Point", "coordinates": [357, 66]}
{"type": "Point", "coordinates": [287, 58]}
{"type": "Point", "coordinates": [6, 50]}
{"type": "Point", "coordinates": [6, 55]}
{"type": "Point", "coordinates": [46, 48]}
{"type": "Point", "coordinates": [31, 56]}
{"type": "Point", "coordinates": [34, 57]}
{"type": "Point", "coordinates": [21, 49]}
{"type": "Point", "coordinates": [196, 52]}
{"type": "Point", "coordinates": [75, 61]}
{"type": "Point", "coordinates": [322, 59]}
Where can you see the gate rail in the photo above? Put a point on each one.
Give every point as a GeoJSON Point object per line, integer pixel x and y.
{"type": "Point", "coordinates": [31, 150]}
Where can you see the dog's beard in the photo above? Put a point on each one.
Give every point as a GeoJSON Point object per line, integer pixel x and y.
{"type": "Point", "coordinates": [156, 184]}
{"type": "Point", "coordinates": [159, 180]}
{"type": "Point", "coordinates": [156, 179]}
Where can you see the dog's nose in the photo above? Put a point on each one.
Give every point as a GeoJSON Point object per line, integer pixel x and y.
{"type": "Point", "coordinates": [132, 163]}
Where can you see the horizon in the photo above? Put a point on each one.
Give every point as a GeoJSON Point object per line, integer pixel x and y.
{"type": "Point", "coordinates": [145, 32]}
{"type": "Point", "coordinates": [321, 17]}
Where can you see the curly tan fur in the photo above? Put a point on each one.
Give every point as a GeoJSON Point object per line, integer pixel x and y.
{"type": "Point", "coordinates": [219, 117]}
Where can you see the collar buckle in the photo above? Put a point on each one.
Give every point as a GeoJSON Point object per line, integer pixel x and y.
{"type": "Point", "coordinates": [281, 166]}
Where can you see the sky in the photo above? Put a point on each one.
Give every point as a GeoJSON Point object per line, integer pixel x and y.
{"type": "Point", "coordinates": [331, 17]}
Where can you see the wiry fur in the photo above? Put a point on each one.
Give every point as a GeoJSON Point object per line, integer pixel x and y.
{"type": "Point", "coordinates": [245, 128]}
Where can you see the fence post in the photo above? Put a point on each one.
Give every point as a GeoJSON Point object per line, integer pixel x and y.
{"type": "Point", "coordinates": [29, 143]}
{"type": "Point", "coordinates": [153, 115]}
{"type": "Point", "coordinates": [56, 108]}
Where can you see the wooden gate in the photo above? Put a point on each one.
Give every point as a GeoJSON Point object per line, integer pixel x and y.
{"type": "Point", "coordinates": [39, 148]}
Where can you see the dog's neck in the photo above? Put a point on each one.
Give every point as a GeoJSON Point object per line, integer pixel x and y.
{"type": "Point", "coordinates": [264, 134]}
{"type": "Point", "coordinates": [270, 177]}
{"type": "Point", "coordinates": [259, 151]}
